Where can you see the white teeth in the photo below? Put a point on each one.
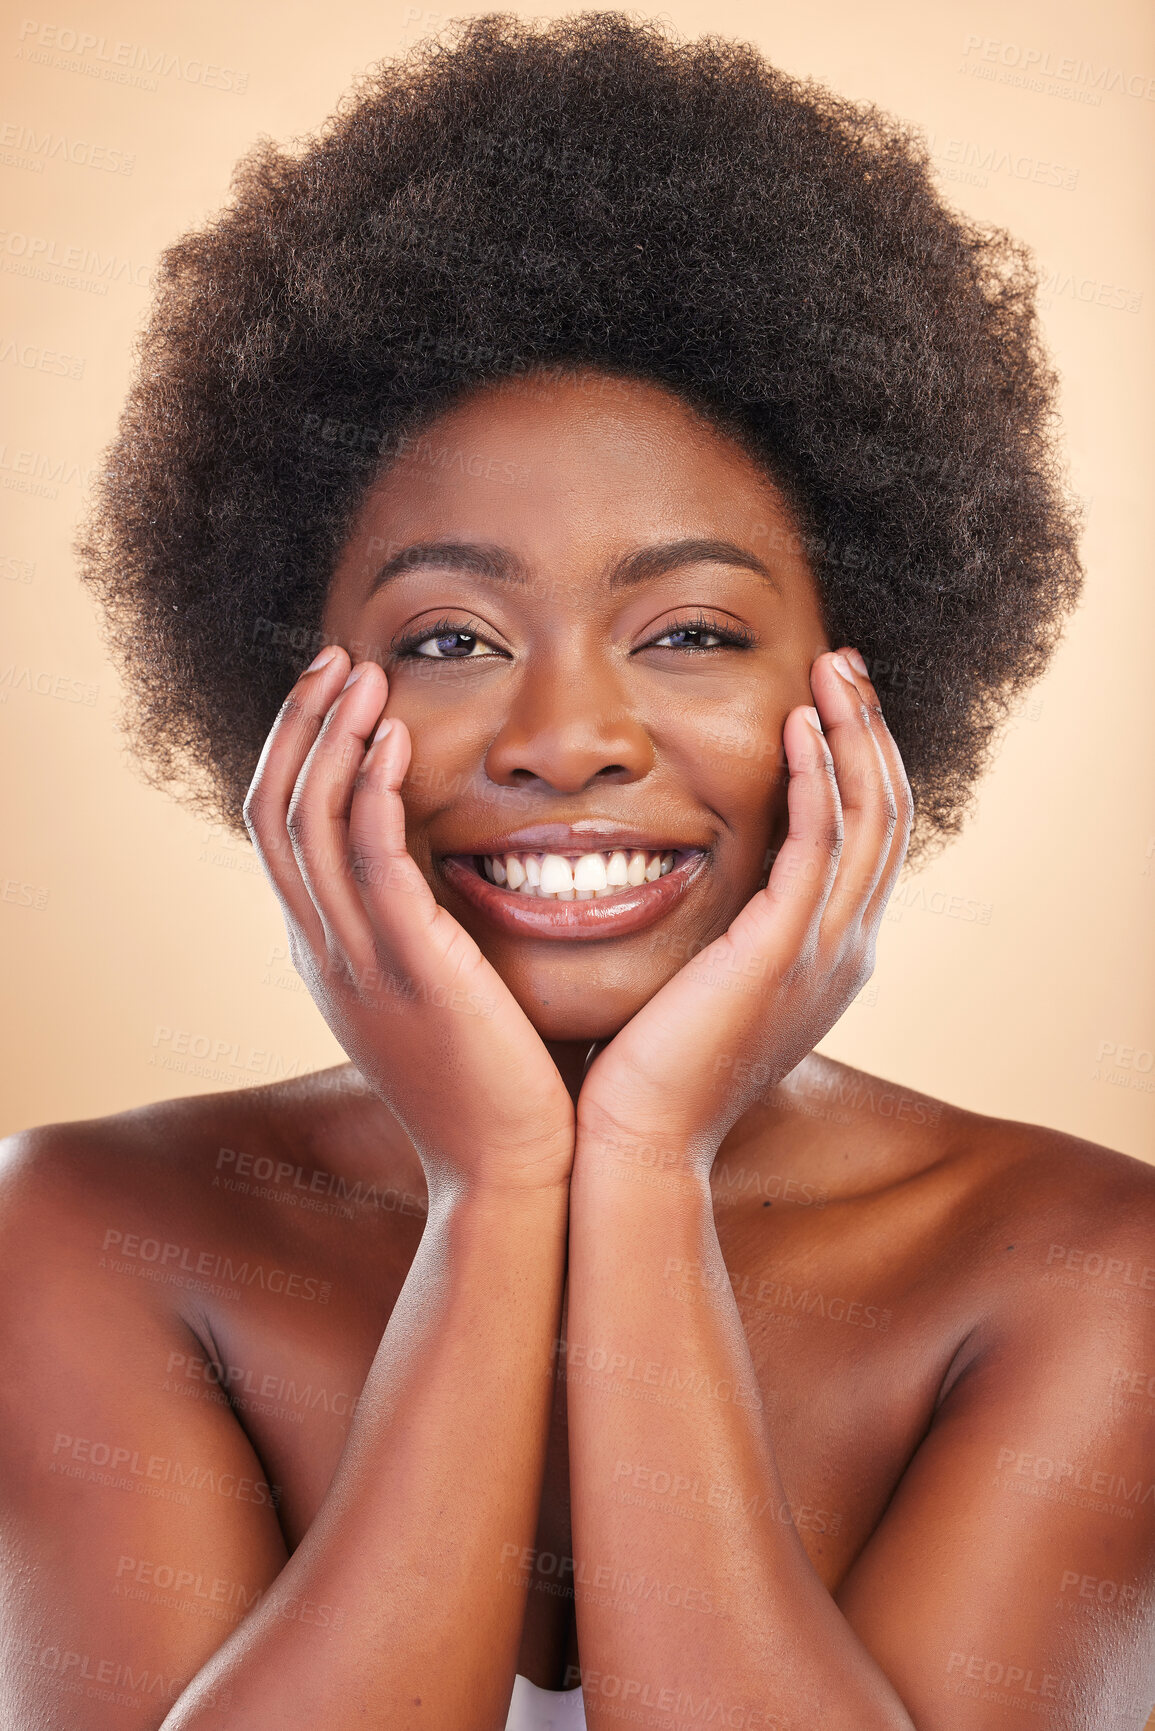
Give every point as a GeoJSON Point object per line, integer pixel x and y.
{"type": "Point", "coordinates": [582, 879]}
{"type": "Point", "coordinates": [556, 876]}
{"type": "Point", "coordinates": [590, 873]}
{"type": "Point", "coordinates": [617, 873]}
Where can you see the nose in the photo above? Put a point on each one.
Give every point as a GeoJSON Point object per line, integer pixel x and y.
{"type": "Point", "coordinates": [569, 733]}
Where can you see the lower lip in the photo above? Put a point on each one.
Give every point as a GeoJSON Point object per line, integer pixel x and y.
{"type": "Point", "coordinates": [627, 910]}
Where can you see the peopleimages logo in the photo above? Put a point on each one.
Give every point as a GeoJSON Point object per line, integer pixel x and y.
{"type": "Point", "coordinates": [133, 63]}
{"type": "Point", "coordinates": [975, 160]}
{"type": "Point", "coordinates": [128, 1252]}
{"type": "Point", "coordinates": [86, 267]}
{"type": "Point", "coordinates": [22, 146]}
{"type": "Point", "coordinates": [1038, 62]}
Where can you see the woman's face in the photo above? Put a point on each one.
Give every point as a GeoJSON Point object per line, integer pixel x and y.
{"type": "Point", "coordinates": [595, 616]}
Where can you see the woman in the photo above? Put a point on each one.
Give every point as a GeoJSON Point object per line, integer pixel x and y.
{"type": "Point", "coordinates": [628, 427]}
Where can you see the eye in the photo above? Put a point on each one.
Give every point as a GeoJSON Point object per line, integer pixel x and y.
{"type": "Point", "coordinates": [446, 640]}
{"type": "Point", "coordinates": [702, 633]}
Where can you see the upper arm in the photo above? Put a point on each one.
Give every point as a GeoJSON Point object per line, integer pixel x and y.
{"type": "Point", "coordinates": [1013, 1573]}
{"type": "Point", "coordinates": [136, 1524]}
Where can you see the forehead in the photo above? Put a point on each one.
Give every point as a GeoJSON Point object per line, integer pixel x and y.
{"type": "Point", "coordinates": [585, 454]}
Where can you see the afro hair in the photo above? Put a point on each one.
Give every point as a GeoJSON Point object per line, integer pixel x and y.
{"type": "Point", "coordinates": [595, 192]}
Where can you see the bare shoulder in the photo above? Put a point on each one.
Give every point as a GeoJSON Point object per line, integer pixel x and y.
{"type": "Point", "coordinates": [284, 1216]}
{"type": "Point", "coordinates": [108, 1472]}
{"type": "Point", "coordinates": [1086, 1211]}
{"type": "Point", "coordinates": [141, 1163]}
{"type": "Point", "coordinates": [72, 1192]}
{"type": "Point", "coordinates": [990, 1217]}
{"type": "Point", "coordinates": [1046, 1246]}
{"type": "Point", "coordinates": [1030, 1489]}
{"type": "Point", "coordinates": [284, 1156]}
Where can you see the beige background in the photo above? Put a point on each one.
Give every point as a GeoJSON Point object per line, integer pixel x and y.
{"type": "Point", "coordinates": [1014, 973]}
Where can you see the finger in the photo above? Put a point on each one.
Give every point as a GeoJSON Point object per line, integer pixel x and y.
{"type": "Point", "coordinates": [900, 787]}
{"type": "Point", "coordinates": [318, 814]}
{"type": "Point", "coordinates": [290, 740]}
{"type": "Point", "coordinates": [410, 925]}
{"type": "Point", "coordinates": [781, 920]}
{"type": "Point", "coordinates": [869, 808]}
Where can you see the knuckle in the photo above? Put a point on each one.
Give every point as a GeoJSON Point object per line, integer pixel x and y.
{"type": "Point", "coordinates": [299, 953]}
{"type": "Point", "coordinates": [297, 715]}
{"type": "Point", "coordinates": [830, 836]}
{"type": "Point", "coordinates": [856, 965]}
{"type": "Point", "coordinates": [860, 977]}
{"type": "Point", "coordinates": [296, 818]}
{"type": "Point", "coordinates": [337, 969]}
{"type": "Point", "coordinates": [254, 809]}
{"type": "Point", "coordinates": [364, 867]}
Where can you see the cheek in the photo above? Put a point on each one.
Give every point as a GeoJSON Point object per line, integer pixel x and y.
{"type": "Point", "coordinates": [447, 746]}
{"type": "Point", "coordinates": [445, 720]}
{"type": "Point", "coordinates": [739, 767]}
{"type": "Point", "coordinates": [447, 768]}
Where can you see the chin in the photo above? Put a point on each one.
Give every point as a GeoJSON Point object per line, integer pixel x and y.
{"type": "Point", "coordinates": [564, 1030]}
{"type": "Point", "coordinates": [565, 1009]}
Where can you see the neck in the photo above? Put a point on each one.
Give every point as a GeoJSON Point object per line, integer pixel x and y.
{"type": "Point", "coordinates": [570, 1058]}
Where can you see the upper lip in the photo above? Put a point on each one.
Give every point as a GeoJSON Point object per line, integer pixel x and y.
{"type": "Point", "coordinates": [590, 835]}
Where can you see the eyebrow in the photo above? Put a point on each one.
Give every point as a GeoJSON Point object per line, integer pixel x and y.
{"type": "Point", "coordinates": [502, 566]}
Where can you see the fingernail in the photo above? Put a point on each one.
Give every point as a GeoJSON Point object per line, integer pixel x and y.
{"type": "Point", "coordinates": [858, 663]}
{"type": "Point", "coordinates": [843, 667]}
{"type": "Point", "coordinates": [356, 674]}
{"type": "Point", "coordinates": [382, 731]}
{"type": "Point", "coordinates": [323, 659]}
{"type": "Point", "coordinates": [812, 717]}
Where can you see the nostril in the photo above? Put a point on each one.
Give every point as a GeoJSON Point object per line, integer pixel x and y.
{"type": "Point", "coordinates": [609, 771]}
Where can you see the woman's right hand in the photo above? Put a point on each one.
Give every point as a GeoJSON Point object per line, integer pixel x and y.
{"type": "Point", "coordinates": [422, 1014]}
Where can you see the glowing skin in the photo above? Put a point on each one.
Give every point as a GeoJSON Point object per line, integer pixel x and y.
{"type": "Point", "coordinates": [575, 704]}
{"type": "Point", "coordinates": [836, 1295]}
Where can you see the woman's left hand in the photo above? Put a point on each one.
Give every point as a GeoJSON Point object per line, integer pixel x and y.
{"type": "Point", "coordinates": [749, 1007]}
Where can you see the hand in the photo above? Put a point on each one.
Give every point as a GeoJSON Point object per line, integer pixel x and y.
{"type": "Point", "coordinates": [407, 992]}
{"type": "Point", "coordinates": [750, 1006]}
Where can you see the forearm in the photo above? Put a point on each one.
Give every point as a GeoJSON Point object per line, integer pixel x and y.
{"type": "Point", "coordinates": [692, 1587]}
{"type": "Point", "coordinates": [439, 1480]}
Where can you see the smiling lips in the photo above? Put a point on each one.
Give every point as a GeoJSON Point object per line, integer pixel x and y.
{"type": "Point", "coordinates": [573, 893]}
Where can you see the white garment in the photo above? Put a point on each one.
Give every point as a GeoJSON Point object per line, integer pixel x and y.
{"type": "Point", "coordinates": [534, 1709]}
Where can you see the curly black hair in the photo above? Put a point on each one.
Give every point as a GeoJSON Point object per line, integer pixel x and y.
{"type": "Point", "coordinates": [589, 192]}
